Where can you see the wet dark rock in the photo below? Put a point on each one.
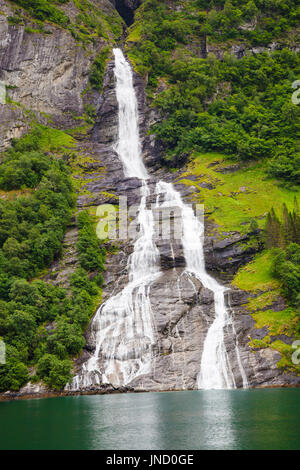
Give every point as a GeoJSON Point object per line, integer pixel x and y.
{"type": "Point", "coordinates": [286, 339]}
{"type": "Point", "coordinates": [126, 9]}
{"type": "Point", "coordinates": [228, 254]}
{"type": "Point", "coordinates": [228, 169]}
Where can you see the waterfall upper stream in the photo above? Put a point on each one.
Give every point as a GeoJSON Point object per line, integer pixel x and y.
{"type": "Point", "coordinates": [124, 327]}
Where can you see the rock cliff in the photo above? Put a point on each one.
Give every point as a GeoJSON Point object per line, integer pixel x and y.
{"type": "Point", "coordinates": [47, 74]}
{"type": "Point", "coordinates": [183, 308]}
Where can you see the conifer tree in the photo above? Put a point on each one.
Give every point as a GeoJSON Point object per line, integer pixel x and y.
{"type": "Point", "coordinates": [295, 216]}
{"type": "Point", "coordinates": [287, 225]}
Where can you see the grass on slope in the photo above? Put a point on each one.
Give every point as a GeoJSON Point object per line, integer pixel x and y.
{"type": "Point", "coordinates": [238, 196]}
{"type": "Point", "coordinates": [49, 139]}
{"type": "Point", "coordinates": [256, 277]}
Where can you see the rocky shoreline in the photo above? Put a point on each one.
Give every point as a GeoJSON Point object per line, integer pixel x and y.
{"type": "Point", "coordinates": [11, 396]}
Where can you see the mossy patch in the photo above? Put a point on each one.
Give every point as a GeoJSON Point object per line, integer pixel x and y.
{"type": "Point", "coordinates": [235, 196]}
{"type": "Point", "coordinates": [54, 139]}
{"type": "Point", "coordinates": [134, 33]}
{"type": "Point", "coordinates": [283, 322]}
{"type": "Point", "coordinates": [257, 275]}
{"type": "Point", "coordinates": [286, 361]}
{"type": "Point", "coordinates": [262, 301]}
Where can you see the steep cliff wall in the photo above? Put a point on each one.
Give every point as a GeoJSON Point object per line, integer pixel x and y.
{"type": "Point", "coordinates": [46, 67]}
{"type": "Point", "coordinates": [48, 73]}
{"type": "Point", "coordinates": [183, 309]}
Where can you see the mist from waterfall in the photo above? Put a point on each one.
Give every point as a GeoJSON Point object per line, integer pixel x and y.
{"type": "Point", "coordinates": [124, 328]}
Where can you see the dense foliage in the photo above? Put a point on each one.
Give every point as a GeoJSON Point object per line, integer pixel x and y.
{"type": "Point", "coordinates": [256, 22]}
{"type": "Point", "coordinates": [90, 22]}
{"type": "Point", "coordinates": [42, 325]}
{"type": "Point", "coordinates": [32, 226]}
{"type": "Point", "coordinates": [281, 233]}
{"type": "Point", "coordinates": [229, 102]}
{"type": "Point", "coordinates": [286, 268]}
{"type": "Point", "coordinates": [240, 107]}
{"type": "Point", "coordinates": [98, 69]}
{"type": "Point", "coordinates": [45, 10]}
{"type": "Point", "coordinates": [284, 237]}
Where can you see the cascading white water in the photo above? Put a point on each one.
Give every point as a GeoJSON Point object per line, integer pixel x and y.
{"type": "Point", "coordinates": [123, 327]}
{"type": "Point", "coordinates": [215, 370]}
{"type": "Point", "coordinates": [128, 146]}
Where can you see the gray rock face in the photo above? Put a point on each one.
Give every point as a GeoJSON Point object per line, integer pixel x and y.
{"type": "Point", "coordinates": [48, 74]}
{"type": "Point", "coordinates": [183, 309]}
{"type": "Point", "coordinates": [13, 124]}
{"type": "Point", "coordinates": [106, 129]}
{"type": "Point", "coordinates": [45, 73]}
{"type": "Point", "coordinates": [133, 4]}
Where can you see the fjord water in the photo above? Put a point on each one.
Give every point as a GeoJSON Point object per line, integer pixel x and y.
{"type": "Point", "coordinates": [214, 419]}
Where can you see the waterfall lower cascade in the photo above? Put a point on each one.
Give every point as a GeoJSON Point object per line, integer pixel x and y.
{"type": "Point", "coordinates": [124, 327]}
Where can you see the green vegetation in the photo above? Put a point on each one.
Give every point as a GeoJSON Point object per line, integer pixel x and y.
{"type": "Point", "coordinates": [90, 257]}
{"type": "Point", "coordinates": [234, 198]}
{"type": "Point", "coordinates": [45, 10]}
{"type": "Point", "coordinates": [215, 113]}
{"type": "Point", "coordinates": [243, 107]}
{"type": "Point", "coordinates": [167, 25]}
{"type": "Point", "coordinates": [257, 275]}
{"type": "Point", "coordinates": [32, 226]}
{"type": "Point", "coordinates": [232, 123]}
{"type": "Point", "coordinates": [262, 20]}
{"type": "Point", "coordinates": [98, 69]}
{"type": "Point", "coordinates": [282, 322]}
{"type": "Point", "coordinates": [281, 234]}
{"type": "Point", "coordinates": [42, 325]}
{"type": "Point", "coordinates": [26, 164]}
{"type": "Point", "coordinates": [285, 236]}
{"type": "Point", "coordinates": [90, 22]}
{"type": "Point", "coordinates": [286, 268]}
{"type": "Point", "coordinates": [240, 107]}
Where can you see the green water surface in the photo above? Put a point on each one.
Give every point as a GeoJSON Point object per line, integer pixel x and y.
{"type": "Point", "coordinates": [235, 419]}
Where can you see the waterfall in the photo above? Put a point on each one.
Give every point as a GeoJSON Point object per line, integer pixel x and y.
{"type": "Point", "coordinates": [123, 327]}
{"type": "Point", "coordinates": [128, 146]}
{"type": "Point", "coordinates": [215, 371]}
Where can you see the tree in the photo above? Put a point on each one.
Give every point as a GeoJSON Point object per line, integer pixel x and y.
{"type": "Point", "coordinates": [274, 237]}
{"type": "Point", "coordinates": [13, 374]}
{"type": "Point", "coordinates": [53, 371]}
